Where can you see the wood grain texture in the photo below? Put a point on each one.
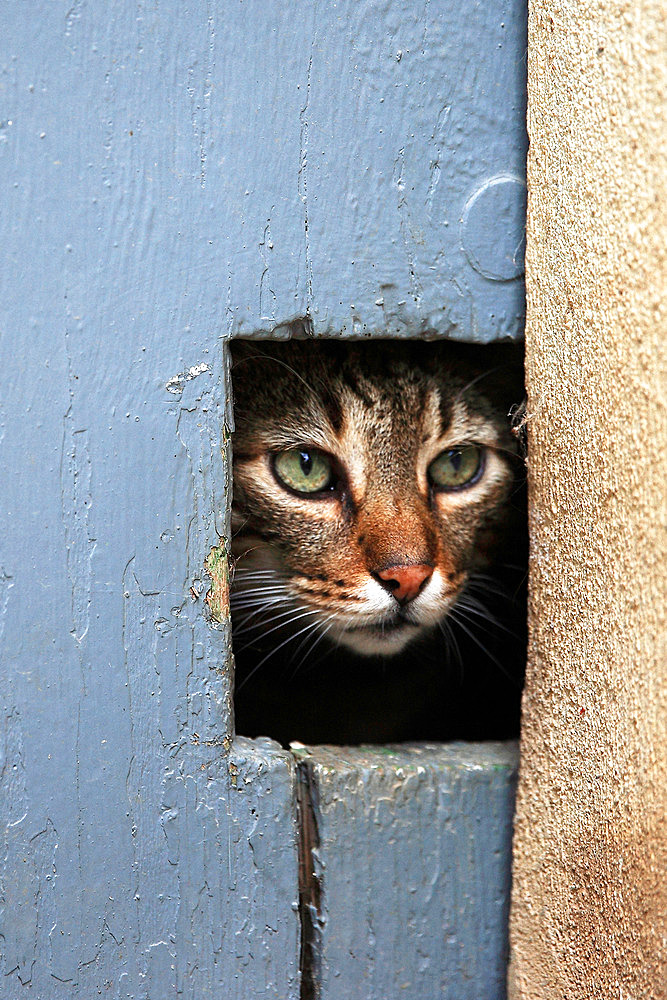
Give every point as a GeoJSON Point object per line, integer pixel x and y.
{"type": "Point", "coordinates": [174, 174]}
{"type": "Point", "coordinates": [362, 163]}
{"type": "Point", "coordinates": [130, 866]}
{"type": "Point", "coordinates": [412, 866]}
{"type": "Point", "coordinates": [589, 909]}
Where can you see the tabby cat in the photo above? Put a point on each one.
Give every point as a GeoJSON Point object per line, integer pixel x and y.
{"type": "Point", "coordinates": [378, 541]}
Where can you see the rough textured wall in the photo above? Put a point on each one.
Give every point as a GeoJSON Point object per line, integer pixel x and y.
{"type": "Point", "coordinates": [589, 898]}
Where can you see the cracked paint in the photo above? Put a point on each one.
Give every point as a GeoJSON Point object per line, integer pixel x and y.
{"type": "Point", "coordinates": [427, 827]}
{"type": "Point", "coordinates": [140, 232]}
{"type": "Point", "coordinates": [303, 178]}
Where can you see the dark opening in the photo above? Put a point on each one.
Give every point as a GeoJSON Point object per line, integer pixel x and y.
{"type": "Point", "coordinates": [379, 540]}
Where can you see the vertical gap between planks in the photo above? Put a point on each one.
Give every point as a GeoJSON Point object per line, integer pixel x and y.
{"type": "Point", "coordinates": [310, 887]}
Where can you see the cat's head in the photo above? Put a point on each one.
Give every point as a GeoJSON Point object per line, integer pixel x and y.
{"type": "Point", "coordinates": [371, 482]}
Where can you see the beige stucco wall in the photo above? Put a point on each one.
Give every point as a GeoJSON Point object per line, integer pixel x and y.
{"type": "Point", "coordinates": [589, 912]}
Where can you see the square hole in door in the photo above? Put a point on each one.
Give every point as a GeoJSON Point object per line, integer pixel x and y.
{"type": "Point", "coordinates": [378, 540]}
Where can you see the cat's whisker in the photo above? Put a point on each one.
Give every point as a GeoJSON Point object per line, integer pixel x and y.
{"type": "Point", "coordinates": [301, 644]}
{"type": "Point", "coordinates": [287, 615]}
{"type": "Point", "coordinates": [238, 531]}
{"type": "Point", "coordinates": [478, 378]}
{"type": "Point", "coordinates": [278, 361]}
{"type": "Point", "coordinates": [258, 587]}
{"type": "Point", "coordinates": [255, 586]}
{"type": "Point", "coordinates": [246, 573]}
{"type": "Point", "coordinates": [478, 642]}
{"type": "Point", "coordinates": [320, 637]}
{"type": "Point", "coordinates": [236, 559]}
{"type": "Point", "coordinates": [486, 580]}
{"type": "Point", "coordinates": [241, 627]}
{"type": "Point", "coordinates": [483, 583]}
{"type": "Point", "coordinates": [246, 580]}
{"type": "Point", "coordinates": [288, 621]}
{"type": "Point", "coordinates": [487, 591]}
{"type": "Point", "coordinates": [239, 595]}
{"type": "Point", "coordinates": [309, 652]}
{"type": "Point", "coordinates": [473, 607]}
{"type": "Point", "coordinates": [268, 613]}
{"type": "Point", "coordinates": [242, 615]}
{"type": "Point", "coordinates": [471, 592]}
{"type": "Point", "coordinates": [479, 584]}
{"type": "Point", "coordinates": [258, 599]}
{"type": "Point", "coordinates": [476, 623]}
{"type": "Point", "coordinates": [272, 652]}
{"type": "Point", "coordinates": [506, 565]}
{"type": "Point", "coordinates": [451, 644]}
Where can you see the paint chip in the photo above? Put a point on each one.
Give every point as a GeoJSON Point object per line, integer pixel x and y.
{"type": "Point", "coordinates": [175, 383]}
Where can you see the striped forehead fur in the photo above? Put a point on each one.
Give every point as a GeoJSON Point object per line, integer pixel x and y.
{"type": "Point", "coordinates": [333, 397]}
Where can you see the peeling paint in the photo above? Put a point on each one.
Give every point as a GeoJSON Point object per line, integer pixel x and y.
{"type": "Point", "coordinates": [139, 232]}
{"type": "Point", "coordinates": [176, 382]}
{"type": "Point", "coordinates": [217, 567]}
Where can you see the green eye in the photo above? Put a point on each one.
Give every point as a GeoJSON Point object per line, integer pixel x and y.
{"type": "Point", "coordinates": [303, 470]}
{"type": "Point", "coordinates": [456, 467]}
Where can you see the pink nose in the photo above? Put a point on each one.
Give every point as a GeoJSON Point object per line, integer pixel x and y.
{"type": "Point", "coordinates": [405, 582]}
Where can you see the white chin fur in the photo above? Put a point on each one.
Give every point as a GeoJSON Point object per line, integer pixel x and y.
{"type": "Point", "coordinates": [372, 642]}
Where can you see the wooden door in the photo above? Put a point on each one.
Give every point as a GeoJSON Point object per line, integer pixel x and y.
{"type": "Point", "coordinates": [174, 175]}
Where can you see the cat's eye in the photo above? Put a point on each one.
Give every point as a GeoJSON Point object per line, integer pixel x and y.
{"type": "Point", "coordinates": [456, 467]}
{"type": "Point", "coordinates": [304, 470]}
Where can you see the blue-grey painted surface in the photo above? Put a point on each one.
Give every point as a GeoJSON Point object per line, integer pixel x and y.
{"type": "Point", "coordinates": [384, 190]}
{"type": "Point", "coordinates": [173, 174]}
{"type": "Point", "coordinates": [132, 862]}
{"type": "Point", "coordinates": [413, 862]}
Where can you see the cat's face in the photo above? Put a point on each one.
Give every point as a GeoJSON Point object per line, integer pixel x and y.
{"type": "Point", "coordinates": [370, 482]}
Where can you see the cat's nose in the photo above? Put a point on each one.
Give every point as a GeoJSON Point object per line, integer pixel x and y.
{"type": "Point", "coordinates": [405, 582]}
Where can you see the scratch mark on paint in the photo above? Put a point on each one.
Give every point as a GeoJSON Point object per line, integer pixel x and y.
{"type": "Point", "coordinates": [76, 498]}
{"type": "Point", "coordinates": [73, 15]}
{"type": "Point", "coordinates": [265, 247]}
{"type": "Point", "coordinates": [407, 231]}
{"type": "Point", "coordinates": [76, 503]}
{"type": "Point", "coordinates": [6, 584]}
{"type": "Point", "coordinates": [201, 106]}
{"type": "Point", "coordinates": [425, 22]}
{"type": "Point", "coordinates": [438, 137]}
{"type": "Point", "coordinates": [27, 861]}
{"type": "Point", "coordinates": [303, 178]}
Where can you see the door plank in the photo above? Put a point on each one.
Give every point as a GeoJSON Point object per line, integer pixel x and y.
{"type": "Point", "coordinates": [407, 884]}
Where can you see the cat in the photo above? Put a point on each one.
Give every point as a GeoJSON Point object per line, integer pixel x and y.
{"type": "Point", "coordinates": [378, 540]}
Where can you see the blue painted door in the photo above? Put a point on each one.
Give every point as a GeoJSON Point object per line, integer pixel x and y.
{"type": "Point", "coordinates": [174, 174]}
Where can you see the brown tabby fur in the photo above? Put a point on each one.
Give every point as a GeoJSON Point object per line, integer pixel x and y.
{"type": "Point", "coordinates": [323, 650]}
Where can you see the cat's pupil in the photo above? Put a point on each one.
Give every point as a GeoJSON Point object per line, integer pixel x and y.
{"type": "Point", "coordinates": [306, 463]}
{"type": "Point", "coordinates": [455, 459]}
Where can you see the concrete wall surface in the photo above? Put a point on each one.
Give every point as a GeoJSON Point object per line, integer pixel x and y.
{"type": "Point", "coordinates": [589, 915]}
{"type": "Point", "coordinates": [173, 174]}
